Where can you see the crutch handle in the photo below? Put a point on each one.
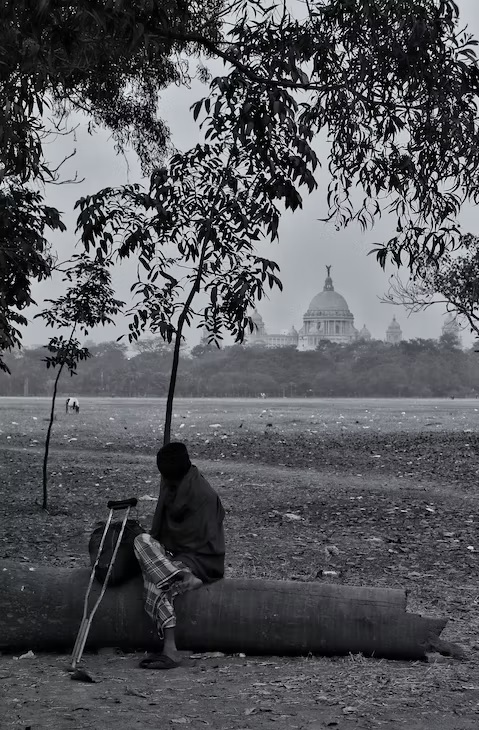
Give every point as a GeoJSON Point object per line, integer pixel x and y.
{"type": "Point", "coordinates": [122, 503]}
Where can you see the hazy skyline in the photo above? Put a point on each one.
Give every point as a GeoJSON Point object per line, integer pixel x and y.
{"type": "Point", "coordinates": [305, 245]}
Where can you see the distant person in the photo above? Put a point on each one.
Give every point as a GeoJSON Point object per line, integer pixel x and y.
{"type": "Point", "coordinates": [72, 404]}
{"type": "Point", "coordinates": [185, 548]}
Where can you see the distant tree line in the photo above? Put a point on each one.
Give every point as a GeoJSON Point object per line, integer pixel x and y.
{"type": "Point", "coordinates": [415, 368]}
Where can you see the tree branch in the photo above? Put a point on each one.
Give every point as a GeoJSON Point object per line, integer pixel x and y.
{"type": "Point", "coordinates": [246, 70]}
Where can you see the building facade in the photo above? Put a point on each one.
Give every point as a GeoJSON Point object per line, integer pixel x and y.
{"type": "Point", "coordinates": [259, 336]}
{"type": "Point", "coordinates": [328, 317]}
{"type": "Point", "coordinates": [393, 332]}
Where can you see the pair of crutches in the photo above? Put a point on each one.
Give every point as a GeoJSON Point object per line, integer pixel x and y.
{"type": "Point", "coordinates": [113, 506]}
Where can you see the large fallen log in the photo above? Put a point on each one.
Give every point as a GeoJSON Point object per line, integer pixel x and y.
{"type": "Point", "coordinates": [41, 608]}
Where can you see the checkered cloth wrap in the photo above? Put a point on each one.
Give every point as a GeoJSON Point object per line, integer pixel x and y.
{"type": "Point", "coordinates": [161, 581]}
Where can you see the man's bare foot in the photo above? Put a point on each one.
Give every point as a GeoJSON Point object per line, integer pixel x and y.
{"type": "Point", "coordinates": [173, 654]}
{"type": "Point", "coordinates": [170, 653]}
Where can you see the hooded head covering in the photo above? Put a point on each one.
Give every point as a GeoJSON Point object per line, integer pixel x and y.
{"type": "Point", "coordinates": [173, 461]}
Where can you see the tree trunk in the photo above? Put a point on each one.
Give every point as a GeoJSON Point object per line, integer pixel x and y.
{"type": "Point", "coordinates": [50, 425]}
{"type": "Point", "coordinates": [47, 440]}
{"type": "Point", "coordinates": [41, 609]}
{"type": "Point", "coordinates": [176, 352]}
{"type": "Point", "coordinates": [172, 383]}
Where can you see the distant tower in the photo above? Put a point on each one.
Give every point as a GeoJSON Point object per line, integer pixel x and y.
{"type": "Point", "coordinates": [393, 332]}
{"type": "Point", "coordinates": [260, 329]}
{"type": "Point", "coordinates": [364, 334]}
{"type": "Point", "coordinates": [258, 336]}
{"type": "Point", "coordinates": [451, 327]}
{"type": "Point", "coordinates": [204, 336]}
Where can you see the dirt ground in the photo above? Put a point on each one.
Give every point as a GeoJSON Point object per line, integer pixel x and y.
{"type": "Point", "coordinates": [400, 510]}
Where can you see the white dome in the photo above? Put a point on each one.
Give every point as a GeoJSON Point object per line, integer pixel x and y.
{"type": "Point", "coordinates": [256, 317]}
{"type": "Point", "coordinates": [394, 326]}
{"type": "Point", "coordinates": [364, 333]}
{"type": "Point", "coordinates": [329, 300]}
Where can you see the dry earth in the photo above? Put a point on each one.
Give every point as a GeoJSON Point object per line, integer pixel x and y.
{"type": "Point", "coordinates": [392, 487]}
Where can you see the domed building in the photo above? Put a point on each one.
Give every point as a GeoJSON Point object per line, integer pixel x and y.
{"type": "Point", "coordinates": [394, 332]}
{"type": "Point", "coordinates": [258, 336]}
{"type": "Point", "coordinates": [328, 318]}
{"type": "Point", "coordinates": [364, 334]}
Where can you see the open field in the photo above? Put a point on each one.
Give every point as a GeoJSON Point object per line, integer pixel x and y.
{"type": "Point", "coordinates": [392, 484]}
{"type": "Point", "coordinates": [143, 416]}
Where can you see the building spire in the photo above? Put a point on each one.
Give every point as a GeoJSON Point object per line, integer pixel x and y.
{"type": "Point", "coordinates": [328, 284]}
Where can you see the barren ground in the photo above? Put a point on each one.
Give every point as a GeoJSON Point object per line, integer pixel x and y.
{"type": "Point", "coordinates": [393, 485]}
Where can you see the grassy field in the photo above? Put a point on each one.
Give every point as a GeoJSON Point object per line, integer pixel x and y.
{"type": "Point", "coordinates": [392, 484]}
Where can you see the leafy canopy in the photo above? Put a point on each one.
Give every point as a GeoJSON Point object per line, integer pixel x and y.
{"type": "Point", "coordinates": [391, 83]}
{"type": "Point", "coordinates": [88, 302]}
{"type": "Point", "coordinates": [25, 256]}
{"type": "Point", "coordinates": [452, 281]}
{"type": "Point", "coordinates": [194, 230]}
{"type": "Point", "coordinates": [107, 58]}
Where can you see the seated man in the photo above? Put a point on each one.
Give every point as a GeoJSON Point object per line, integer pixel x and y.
{"type": "Point", "coordinates": [185, 549]}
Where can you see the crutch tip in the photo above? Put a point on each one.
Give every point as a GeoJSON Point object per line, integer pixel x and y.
{"type": "Point", "coordinates": [80, 675]}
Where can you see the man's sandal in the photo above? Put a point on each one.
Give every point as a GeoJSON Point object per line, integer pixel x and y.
{"type": "Point", "coordinates": [159, 661]}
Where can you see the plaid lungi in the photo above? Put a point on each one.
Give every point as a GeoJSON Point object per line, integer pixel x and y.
{"type": "Point", "coordinates": [161, 581]}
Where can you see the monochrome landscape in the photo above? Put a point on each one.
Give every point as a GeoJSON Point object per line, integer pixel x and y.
{"type": "Point", "coordinates": [250, 228]}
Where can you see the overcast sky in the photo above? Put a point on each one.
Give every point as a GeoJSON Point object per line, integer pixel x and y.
{"type": "Point", "coordinates": [305, 245]}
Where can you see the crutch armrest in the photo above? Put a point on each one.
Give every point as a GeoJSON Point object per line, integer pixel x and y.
{"type": "Point", "coordinates": [122, 503]}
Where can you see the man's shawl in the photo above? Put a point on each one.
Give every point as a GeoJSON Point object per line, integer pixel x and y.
{"type": "Point", "coordinates": [188, 522]}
